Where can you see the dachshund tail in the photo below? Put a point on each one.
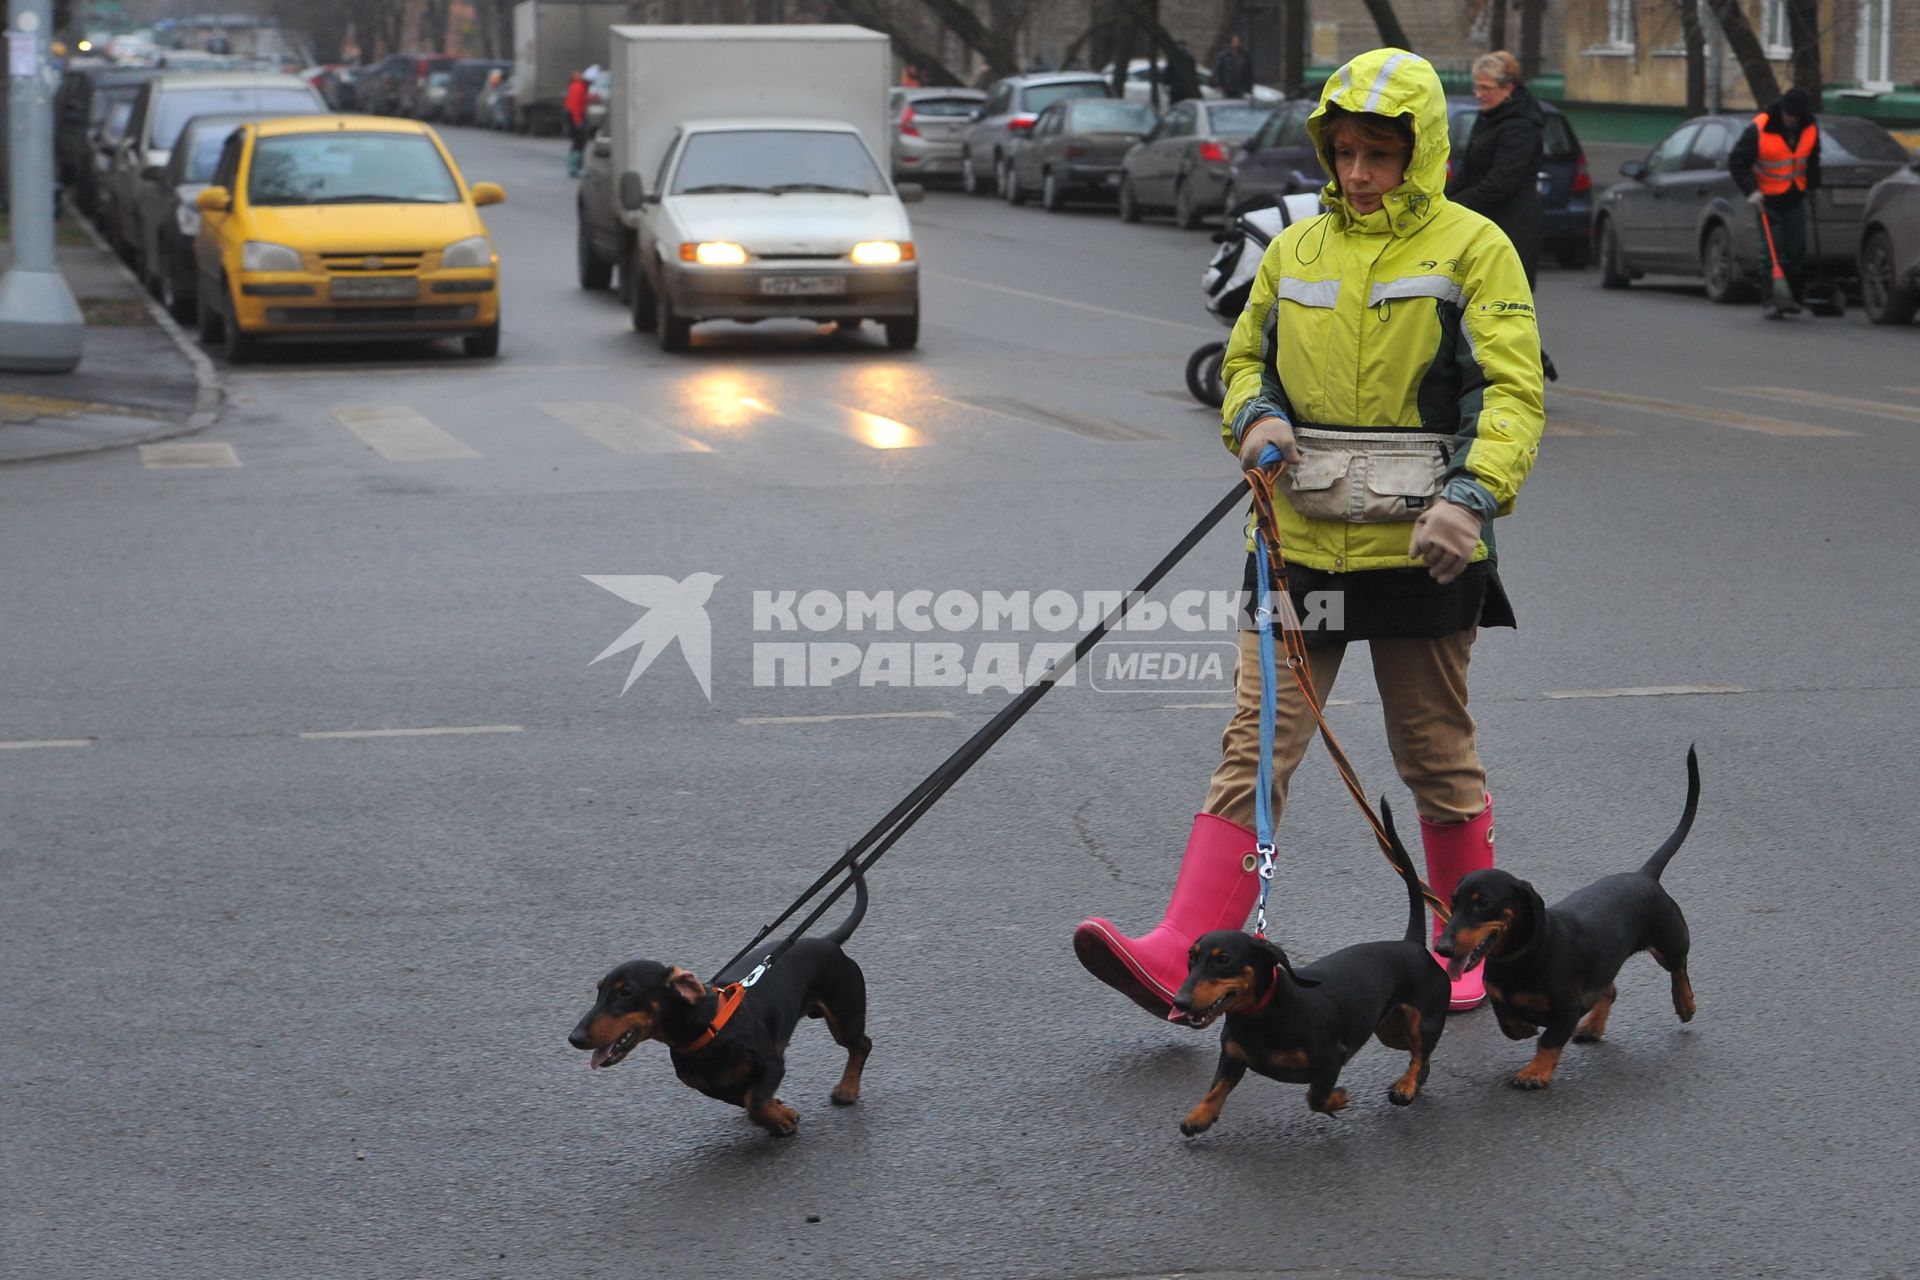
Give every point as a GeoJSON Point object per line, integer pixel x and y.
{"type": "Point", "coordinates": [1664, 854]}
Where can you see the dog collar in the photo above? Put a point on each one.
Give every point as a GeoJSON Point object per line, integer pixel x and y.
{"type": "Point", "coordinates": [1266, 999]}
{"type": "Point", "coordinates": [730, 997]}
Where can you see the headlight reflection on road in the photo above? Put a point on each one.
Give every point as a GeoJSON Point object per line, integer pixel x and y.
{"type": "Point", "coordinates": [724, 401]}
{"type": "Point", "coordinates": [877, 432]}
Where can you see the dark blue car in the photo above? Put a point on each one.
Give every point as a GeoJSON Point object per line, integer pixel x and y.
{"type": "Point", "coordinates": [1566, 188]}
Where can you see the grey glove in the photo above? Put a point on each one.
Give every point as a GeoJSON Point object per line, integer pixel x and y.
{"type": "Point", "coordinates": [1267, 431]}
{"type": "Point", "coordinates": [1756, 198]}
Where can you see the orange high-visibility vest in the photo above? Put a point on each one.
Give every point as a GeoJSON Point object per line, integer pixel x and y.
{"type": "Point", "coordinates": [1780, 168]}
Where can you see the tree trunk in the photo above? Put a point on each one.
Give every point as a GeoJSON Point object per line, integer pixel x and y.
{"type": "Point", "coordinates": [1746, 49]}
{"type": "Point", "coordinates": [1496, 24]}
{"type": "Point", "coordinates": [1803, 28]}
{"type": "Point", "coordinates": [1293, 46]}
{"type": "Point", "coordinates": [1694, 37]}
{"type": "Point", "coordinates": [1533, 25]}
{"type": "Point", "coordinates": [868, 14]}
{"type": "Point", "coordinates": [1392, 34]}
{"type": "Point", "coordinates": [1182, 80]}
{"type": "Point", "coordinates": [996, 48]}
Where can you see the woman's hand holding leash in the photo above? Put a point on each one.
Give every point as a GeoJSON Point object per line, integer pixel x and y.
{"type": "Point", "coordinates": [1444, 536]}
{"type": "Point", "coordinates": [1267, 431]}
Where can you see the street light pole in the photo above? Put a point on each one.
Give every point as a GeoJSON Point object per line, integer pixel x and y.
{"type": "Point", "coordinates": [40, 325]}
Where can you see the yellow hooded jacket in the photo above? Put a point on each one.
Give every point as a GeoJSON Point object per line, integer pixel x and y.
{"type": "Point", "coordinates": [1415, 317]}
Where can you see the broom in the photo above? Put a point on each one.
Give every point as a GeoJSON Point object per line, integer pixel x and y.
{"type": "Point", "coordinates": [1782, 291]}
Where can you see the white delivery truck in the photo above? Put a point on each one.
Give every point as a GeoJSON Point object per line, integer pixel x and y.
{"type": "Point", "coordinates": [552, 39]}
{"type": "Point", "coordinates": [749, 178]}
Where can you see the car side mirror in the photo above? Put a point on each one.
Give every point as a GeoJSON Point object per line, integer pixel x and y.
{"type": "Point", "coordinates": [910, 192]}
{"type": "Point", "coordinates": [633, 193]}
{"type": "Point", "coordinates": [603, 146]}
{"type": "Point", "coordinates": [1634, 169]}
{"type": "Point", "coordinates": [213, 200]}
{"type": "Point", "coordinates": [486, 193]}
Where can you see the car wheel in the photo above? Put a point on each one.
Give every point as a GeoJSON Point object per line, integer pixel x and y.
{"type": "Point", "coordinates": [1186, 215]}
{"type": "Point", "coordinates": [1050, 198]}
{"type": "Point", "coordinates": [646, 313]}
{"type": "Point", "coordinates": [676, 333]}
{"type": "Point", "coordinates": [237, 346]}
{"type": "Point", "coordinates": [903, 332]}
{"type": "Point", "coordinates": [209, 325]}
{"type": "Point", "coordinates": [1573, 255]}
{"type": "Point", "coordinates": [969, 178]}
{"type": "Point", "coordinates": [1887, 298]}
{"type": "Point", "coordinates": [1613, 273]}
{"type": "Point", "coordinates": [1203, 374]}
{"type": "Point", "coordinates": [1718, 268]}
{"type": "Point", "coordinates": [1128, 206]}
{"type": "Point", "coordinates": [594, 274]}
{"type": "Point", "coordinates": [1010, 184]}
{"type": "Point", "coordinates": [484, 345]}
{"type": "Point", "coordinates": [172, 296]}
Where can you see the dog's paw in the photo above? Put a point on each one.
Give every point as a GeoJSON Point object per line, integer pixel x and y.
{"type": "Point", "coordinates": [1401, 1095]}
{"type": "Point", "coordinates": [1335, 1101]}
{"type": "Point", "coordinates": [1527, 1078]}
{"type": "Point", "coordinates": [1198, 1121]}
{"type": "Point", "coordinates": [778, 1119]}
{"type": "Point", "coordinates": [844, 1096]}
{"type": "Point", "coordinates": [1588, 1037]}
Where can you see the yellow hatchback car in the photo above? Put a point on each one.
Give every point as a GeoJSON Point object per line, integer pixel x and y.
{"type": "Point", "coordinates": [331, 228]}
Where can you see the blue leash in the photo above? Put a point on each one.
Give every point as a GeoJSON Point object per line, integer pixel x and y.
{"type": "Point", "coordinates": [1269, 714]}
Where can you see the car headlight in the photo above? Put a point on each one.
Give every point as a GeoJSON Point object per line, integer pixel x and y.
{"type": "Point", "coordinates": [714, 253]}
{"type": "Point", "coordinates": [187, 218]}
{"type": "Point", "coordinates": [881, 252]}
{"type": "Point", "coordinates": [259, 255]}
{"type": "Point", "coordinates": [474, 251]}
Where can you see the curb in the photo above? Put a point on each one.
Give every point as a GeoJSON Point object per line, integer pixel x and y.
{"type": "Point", "coordinates": [209, 396]}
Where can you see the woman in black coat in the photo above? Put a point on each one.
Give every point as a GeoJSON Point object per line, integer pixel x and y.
{"type": "Point", "coordinates": [1498, 172]}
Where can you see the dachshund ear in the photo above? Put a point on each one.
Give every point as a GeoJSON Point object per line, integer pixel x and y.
{"type": "Point", "coordinates": [685, 985]}
{"type": "Point", "coordinates": [1278, 958]}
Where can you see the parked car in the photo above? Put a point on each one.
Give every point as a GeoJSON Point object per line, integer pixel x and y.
{"type": "Point", "coordinates": [1566, 185]}
{"type": "Point", "coordinates": [170, 219]}
{"type": "Point", "coordinates": [465, 83]}
{"type": "Point", "coordinates": [1889, 260]}
{"type": "Point", "coordinates": [352, 227]}
{"type": "Point", "coordinates": [1074, 151]}
{"type": "Point", "coordinates": [1679, 212]}
{"type": "Point", "coordinates": [396, 85]}
{"type": "Point", "coordinates": [1012, 105]}
{"type": "Point", "coordinates": [162, 108]}
{"type": "Point", "coordinates": [496, 109]}
{"type": "Point", "coordinates": [1182, 164]}
{"type": "Point", "coordinates": [340, 86]}
{"type": "Point", "coordinates": [929, 130]}
{"type": "Point", "coordinates": [1278, 160]}
{"type": "Point", "coordinates": [79, 105]}
{"type": "Point", "coordinates": [95, 188]}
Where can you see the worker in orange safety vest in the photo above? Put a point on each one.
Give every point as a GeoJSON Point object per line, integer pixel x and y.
{"type": "Point", "coordinates": [1776, 165]}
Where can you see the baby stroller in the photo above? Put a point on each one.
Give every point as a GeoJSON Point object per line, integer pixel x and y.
{"type": "Point", "coordinates": [1228, 279]}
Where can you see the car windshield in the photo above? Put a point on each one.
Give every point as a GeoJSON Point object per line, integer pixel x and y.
{"type": "Point", "coordinates": [349, 168]}
{"type": "Point", "coordinates": [202, 144]}
{"type": "Point", "coordinates": [1112, 117]}
{"type": "Point", "coordinates": [172, 110]}
{"type": "Point", "coordinates": [1843, 139]}
{"type": "Point", "coordinates": [1041, 96]}
{"type": "Point", "coordinates": [943, 108]}
{"type": "Point", "coordinates": [776, 160]}
{"type": "Point", "coordinates": [1237, 121]}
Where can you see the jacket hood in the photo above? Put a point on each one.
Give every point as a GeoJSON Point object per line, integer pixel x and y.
{"type": "Point", "coordinates": [1391, 82]}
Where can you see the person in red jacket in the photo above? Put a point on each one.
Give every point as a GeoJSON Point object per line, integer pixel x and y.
{"type": "Point", "coordinates": [576, 105]}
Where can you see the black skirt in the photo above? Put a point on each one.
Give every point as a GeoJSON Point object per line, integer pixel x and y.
{"type": "Point", "coordinates": [1387, 604]}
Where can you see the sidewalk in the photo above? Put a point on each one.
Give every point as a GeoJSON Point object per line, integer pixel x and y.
{"type": "Point", "coordinates": [141, 378]}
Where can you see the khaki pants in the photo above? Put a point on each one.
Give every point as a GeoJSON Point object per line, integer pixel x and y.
{"type": "Point", "coordinates": [1423, 691]}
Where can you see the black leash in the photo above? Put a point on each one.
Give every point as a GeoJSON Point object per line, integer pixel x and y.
{"type": "Point", "coordinates": [868, 849]}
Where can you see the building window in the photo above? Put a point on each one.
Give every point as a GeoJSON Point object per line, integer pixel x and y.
{"type": "Point", "coordinates": [1873, 61]}
{"type": "Point", "coordinates": [1620, 33]}
{"type": "Point", "coordinates": [1775, 35]}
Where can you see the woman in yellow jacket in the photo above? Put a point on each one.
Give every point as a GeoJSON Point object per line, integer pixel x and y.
{"type": "Point", "coordinates": [1389, 351]}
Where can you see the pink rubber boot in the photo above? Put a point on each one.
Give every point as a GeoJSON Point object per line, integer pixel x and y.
{"type": "Point", "coordinates": [1453, 850]}
{"type": "Point", "coordinates": [1215, 891]}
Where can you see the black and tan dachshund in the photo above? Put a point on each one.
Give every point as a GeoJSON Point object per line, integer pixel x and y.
{"type": "Point", "coordinates": [1301, 1026]}
{"type": "Point", "coordinates": [1551, 969]}
{"type": "Point", "coordinates": [730, 1042]}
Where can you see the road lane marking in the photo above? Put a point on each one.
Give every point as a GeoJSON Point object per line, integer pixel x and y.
{"type": "Point", "coordinates": [1848, 404]}
{"type": "Point", "coordinates": [1079, 424]}
{"type": "Point", "coordinates": [37, 744]}
{"type": "Point", "coordinates": [875, 431]}
{"type": "Point", "coordinates": [619, 428]}
{"type": "Point", "coordinates": [1645, 691]}
{"type": "Point", "coordinates": [399, 434]}
{"type": "Point", "coordinates": [432, 732]}
{"type": "Point", "coordinates": [1063, 302]}
{"type": "Point", "coordinates": [1697, 413]}
{"type": "Point", "coordinates": [1574, 427]}
{"type": "Point", "coordinates": [864, 715]}
{"type": "Point", "coordinates": [160, 457]}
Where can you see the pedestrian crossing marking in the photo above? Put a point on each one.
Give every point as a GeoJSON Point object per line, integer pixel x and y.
{"type": "Point", "coordinates": [1847, 404]}
{"type": "Point", "coordinates": [619, 428]}
{"type": "Point", "coordinates": [875, 431]}
{"type": "Point", "coordinates": [163, 457]}
{"type": "Point", "coordinates": [1698, 413]}
{"type": "Point", "coordinates": [1557, 426]}
{"type": "Point", "coordinates": [1059, 419]}
{"type": "Point", "coordinates": [399, 434]}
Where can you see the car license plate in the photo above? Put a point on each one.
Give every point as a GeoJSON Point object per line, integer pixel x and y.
{"type": "Point", "coordinates": [803, 286]}
{"type": "Point", "coordinates": [377, 288]}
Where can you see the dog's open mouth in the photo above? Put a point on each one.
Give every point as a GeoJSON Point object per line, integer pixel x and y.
{"type": "Point", "coordinates": [1459, 964]}
{"type": "Point", "coordinates": [1199, 1019]}
{"type": "Point", "coordinates": [608, 1055]}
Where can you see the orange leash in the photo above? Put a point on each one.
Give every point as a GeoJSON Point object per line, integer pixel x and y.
{"type": "Point", "coordinates": [1261, 483]}
{"type": "Point", "coordinates": [730, 997]}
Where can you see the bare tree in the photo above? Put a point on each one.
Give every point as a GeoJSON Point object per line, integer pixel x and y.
{"type": "Point", "coordinates": [869, 14]}
{"type": "Point", "coordinates": [1803, 29]}
{"type": "Point", "coordinates": [1496, 11]}
{"type": "Point", "coordinates": [1693, 36]}
{"type": "Point", "coordinates": [995, 46]}
{"type": "Point", "coordinates": [1533, 24]}
{"type": "Point", "coordinates": [1746, 49]}
{"type": "Point", "coordinates": [1388, 23]}
{"type": "Point", "coordinates": [1293, 45]}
